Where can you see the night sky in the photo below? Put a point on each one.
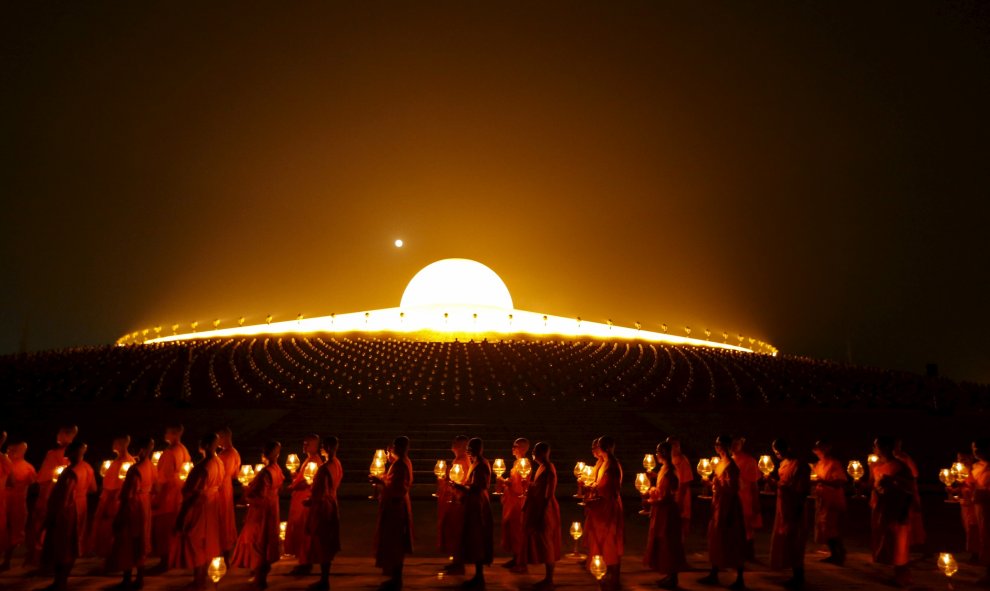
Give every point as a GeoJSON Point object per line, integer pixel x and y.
{"type": "Point", "coordinates": [816, 176]}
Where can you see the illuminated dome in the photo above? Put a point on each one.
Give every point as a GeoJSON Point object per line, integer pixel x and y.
{"type": "Point", "coordinates": [456, 282]}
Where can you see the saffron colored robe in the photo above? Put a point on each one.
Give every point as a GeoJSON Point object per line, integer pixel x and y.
{"type": "Point", "coordinates": [684, 473]}
{"type": "Point", "coordinates": [604, 520]}
{"type": "Point", "coordinates": [967, 512]}
{"type": "Point", "coordinates": [296, 538]}
{"type": "Point", "coordinates": [727, 527]}
{"type": "Point", "coordinates": [980, 481]}
{"type": "Point", "coordinates": [665, 540]}
{"type": "Point", "coordinates": [131, 526]}
{"type": "Point", "coordinates": [228, 524]}
{"type": "Point", "coordinates": [101, 528]}
{"type": "Point", "coordinates": [890, 502]}
{"type": "Point", "coordinates": [197, 537]}
{"type": "Point", "coordinates": [450, 511]}
{"type": "Point", "coordinates": [36, 522]}
{"type": "Point", "coordinates": [323, 521]}
{"type": "Point", "coordinates": [830, 500]}
{"type": "Point", "coordinates": [541, 519]}
{"type": "Point", "coordinates": [258, 543]}
{"type": "Point", "coordinates": [22, 476]}
{"type": "Point", "coordinates": [168, 497]}
{"type": "Point", "coordinates": [749, 491]}
{"type": "Point", "coordinates": [394, 530]}
{"type": "Point", "coordinates": [68, 515]}
{"type": "Point", "coordinates": [512, 516]}
{"type": "Point", "coordinates": [478, 540]}
{"type": "Point", "coordinates": [790, 525]}
{"type": "Point", "coordinates": [914, 516]}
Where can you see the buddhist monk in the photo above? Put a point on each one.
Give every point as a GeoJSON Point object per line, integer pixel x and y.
{"type": "Point", "coordinates": [893, 494]}
{"type": "Point", "coordinates": [323, 525]}
{"type": "Point", "coordinates": [665, 540]}
{"type": "Point", "coordinates": [513, 492]}
{"type": "Point", "coordinates": [6, 469]}
{"type": "Point", "coordinates": [541, 518]}
{"type": "Point", "coordinates": [131, 525]}
{"type": "Point", "coordinates": [258, 546]}
{"type": "Point", "coordinates": [66, 515]}
{"type": "Point", "coordinates": [22, 476]}
{"type": "Point", "coordinates": [231, 467]}
{"type": "Point", "coordinates": [394, 530]}
{"type": "Point", "coordinates": [749, 492]}
{"type": "Point", "coordinates": [915, 517]}
{"type": "Point", "coordinates": [727, 527]}
{"type": "Point", "coordinates": [197, 526]}
{"type": "Point", "coordinates": [477, 541]}
{"type": "Point", "coordinates": [790, 529]}
{"type": "Point", "coordinates": [167, 494]}
{"type": "Point", "coordinates": [685, 474]}
{"type": "Point", "coordinates": [604, 522]}
{"type": "Point", "coordinates": [54, 458]}
{"type": "Point", "coordinates": [830, 502]}
{"type": "Point", "coordinates": [101, 531]}
{"type": "Point", "coordinates": [296, 539]}
{"type": "Point", "coordinates": [966, 512]}
{"type": "Point", "coordinates": [979, 481]}
{"type": "Point", "coordinates": [450, 506]}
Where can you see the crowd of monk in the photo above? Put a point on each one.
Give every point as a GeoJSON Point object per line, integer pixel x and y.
{"type": "Point", "coordinates": [153, 505]}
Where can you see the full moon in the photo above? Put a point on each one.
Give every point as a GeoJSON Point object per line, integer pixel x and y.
{"type": "Point", "coordinates": [456, 283]}
{"type": "Point", "coordinates": [399, 243]}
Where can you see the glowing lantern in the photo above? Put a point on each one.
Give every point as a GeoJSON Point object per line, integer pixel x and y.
{"type": "Point", "coordinates": [292, 463]}
{"type": "Point", "coordinates": [281, 530]}
{"type": "Point", "coordinates": [715, 461]}
{"type": "Point", "coordinates": [814, 474]}
{"type": "Point", "coordinates": [642, 483]}
{"type": "Point", "coordinates": [597, 566]}
{"type": "Point", "coordinates": [589, 475]}
{"type": "Point", "coordinates": [578, 469]}
{"type": "Point", "coordinates": [855, 470]}
{"type": "Point", "coordinates": [946, 476]}
{"type": "Point", "coordinates": [649, 462]}
{"type": "Point", "coordinates": [380, 455]}
{"type": "Point", "coordinates": [576, 532]}
{"type": "Point", "coordinates": [309, 472]}
{"type": "Point", "coordinates": [457, 474]}
{"type": "Point", "coordinates": [947, 564]}
{"type": "Point", "coordinates": [872, 459]}
{"type": "Point", "coordinates": [184, 470]}
{"type": "Point", "coordinates": [705, 468]}
{"type": "Point", "coordinates": [959, 471]}
{"type": "Point", "coordinates": [104, 468]}
{"type": "Point", "coordinates": [524, 467]}
{"type": "Point", "coordinates": [57, 472]}
{"type": "Point", "coordinates": [245, 475]}
{"type": "Point", "coordinates": [258, 468]}
{"type": "Point", "coordinates": [440, 469]}
{"type": "Point", "coordinates": [377, 467]}
{"type": "Point", "coordinates": [218, 568]}
{"type": "Point", "coordinates": [765, 465]}
{"type": "Point", "coordinates": [498, 467]}
{"type": "Point", "coordinates": [123, 470]}
{"type": "Point", "coordinates": [155, 457]}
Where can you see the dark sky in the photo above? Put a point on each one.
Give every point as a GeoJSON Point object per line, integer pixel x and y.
{"type": "Point", "coordinates": [812, 175]}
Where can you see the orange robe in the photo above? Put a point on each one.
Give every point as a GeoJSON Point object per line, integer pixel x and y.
{"type": "Point", "coordinates": [893, 493]}
{"type": "Point", "coordinates": [450, 511]}
{"type": "Point", "coordinates": [541, 519]}
{"type": "Point", "coordinates": [665, 540]}
{"type": "Point", "coordinates": [915, 518]}
{"type": "Point", "coordinates": [197, 540]}
{"type": "Point", "coordinates": [5, 470]}
{"type": "Point", "coordinates": [682, 467]}
{"type": "Point", "coordinates": [101, 528]}
{"type": "Point", "coordinates": [980, 482]}
{"type": "Point", "coordinates": [132, 525]}
{"type": "Point", "coordinates": [967, 511]}
{"type": "Point", "coordinates": [394, 530]}
{"type": "Point", "coordinates": [68, 514]}
{"type": "Point", "coordinates": [727, 528]}
{"type": "Point", "coordinates": [478, 541]}
{"type": "Point", "coordinates": [36, 523]}
{"type": "Point", "coordinates": [323, 521]}
{"type": "Point", "coordinates": [228, 524]}
{"type": "Point", "coordinates": [296, 539]}
{"type": "Point", "coordinates": [22, 476]}
{"type": "Point", "coordinates": [790, 526]}
{"type": "Point", "coordinates": [749, 491]}
{"type": "Point", "coordinates": [512, 517]}
{"type": "Point", "coordinates": [604, 520]}
{"type": "Point", "coordinates": [258, 542]}
{"type": "Point", "coordinates": [830, 501]}
{"type": "Point", "coordinates": [168, 497]}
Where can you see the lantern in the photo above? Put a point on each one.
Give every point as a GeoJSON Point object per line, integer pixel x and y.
{"type": "Point", "coordinates": [155, 457]}
{"type": "Point", "coordinates": [649, 462]}
{"type": "Point", "coordinates": [309, 472]}
{"type": "Point", "coordinates": [578, 469]}
{"type": "Point", "coordinates": [855, 470]}
{"type": "Point", "coordinates": [589, 475]}
{"type": "Point", "coordinates": [705, 468]}
{"type": "Point", "coordinates": [184, 470]}
{"type": "Point", "coordinates": [292, 463]}
{"type": "Point", "coordinates": [245, 475]}
{"type": "Point", "coordinates": [104, 468]}
{"type": "Point", "coordinates": [959, 471]}
{"type": "Point", "coordinates": [281, 530]}
{"type": "Point", "coordinates": [576, 532]}
{"type": "Point", "coordinates": [597, 566]}
{"type": "Point", "coordinates": [715, 460]}
{"type": "Point", "coordinates": [380, 455]}
{"type": "Point", "coordinates": [642, 483]}
{"type": "Point", "coordinates": [258, 468]}
{"type": "Point", "coordinates": [498, 467]}
{"type": "Point", "coordinates": [524, 467]}
{"type": "Point", "coordinates": [872, 459]}
{"type": "Point", "coordinates": [946, 476]}
{"type": "Point", "coordinates": [765, 465]}
{"type": "Point", "coordinates": [218, 568]}
{"type": "Point", "coordinates": [123, 470]}
{"type": "Point", "coordinates": [814, 473]}
{"type": "Point", "coordinates": [377, 467]}
{"type": "Point", "coordinates": [439, 469]}
{"type": "Point", "coordinates": [947, 564]}
{"type": "Point", "coordinates": [457, 473]}
{"type": "Point", "coordinates": [57, 472]}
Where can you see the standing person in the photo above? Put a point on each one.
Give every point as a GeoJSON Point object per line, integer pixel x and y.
{"type": "Point", "coordinates": [603, 513]}
{"type": "Point", "coordinates": [296, 539]}
{"type": "Point", "coordinates": [914, 517]}
{"type": "Point", "coordinates": [479, 530]}
{"type": "Point", "coordinates": [450, 507]}
{"type": "Point", "coordinates": [22, 476]}
{"type": "Point", "coordinates": [665, 541]}
{"type": "Point", "coordinates": [394, 531]}
{"type": "Point", "coordinates": [54, 458]}
{"type": "Point", "coordinates": [323, 525]}
{"type": "Point", "coordinates": [65, 519]}
{"type": "Point", "coordinates": [685, 474]}
{"type": "Point", "coordinates": [979, 481]}
{"type": "Point", "coordinates": [514, 491]}
{"type": "Point", "coordinates": [167, 494]}
{"type": "Point", "coordinates": [101, 530]}
{"type": "Point", "coordinates": [966, 510]}
{"type": "Point", "coordinates": [727, 527]}
{"type": "Point", "coordinates": [830, 502]}
{"type": "Point", "coordinates": [197, 526]}
{"type": "Point", "coordinates": [790, 529]}
{"type": "Point", "coordinates": [231, 467]}
{"type": "Point", "coordinates": [131, 526]}
{"type": "Point", "coordinates": [258, 544]}
{"type": "Point", "coordinates": [541, 518]}
{"type": "Point", "coordinates": [890, 502]}
{"type": "Point", "coordinates": [749, 493]}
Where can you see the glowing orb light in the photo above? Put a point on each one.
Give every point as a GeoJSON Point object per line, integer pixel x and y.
{"type": "Point", "coordinates": [456, 283]}
{"type": "Point", "coordinates": [399, 243]}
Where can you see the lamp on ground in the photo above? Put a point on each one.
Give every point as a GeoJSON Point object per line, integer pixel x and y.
{"type": "Point", "coordinates": [218, 568]}
{"type": "Point", "coordinates": [596, 566]}
{"type": "Point", "coordinates": [855, 471]}
{"type": "Point", "coordinates": [576, 532]}
{"type": "Point", "coordinates": [948, 565]}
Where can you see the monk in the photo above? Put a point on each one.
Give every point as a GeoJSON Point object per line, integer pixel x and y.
{"type": "Point", "coordinates": [296, 539]}
{"type": "Point", "coordinates": [22, 476]}
{"type": "Point", "coordinates": [54, 459]}
{"type": "Point", "coordinates": [67, 512]}
{"type": "Point", "coordinates": [323, 521]}
{"type": "Point", "coordinates": [790, 530]}
{"type": "Point", "coordinates": [604, 521]}
{"type": "Point", "coordinates": [665, 540]}
{"type": "Point", "coordinates": [893, 494]}
{"type": "Point", "coordinates": [685, 474]}
{"type": "Point", "coordinates": [131, 525]}
{"type": "Point", "coordinates": [727, 527]}
{"type": "Point", "coordinates": [514, 491]}
{"type": "Point", "coordinates": [541, 518]}
{"type": "Point", "coordinates": [101, 530]}
{"type": "Point", "coordinates": [749, 493]}
{"type": "Point", "coordinates": [258, 546]}
{"type": "Point", "coordinates": [6, 468]}
{"type": "Point", "coordinates": [830, 502]}
{"type": "Point", "coordinates": [915, 517]}
{"type": "Point", "coordinates": [450, 507]}
{"type": "Point", "coordinates": [168, 494]}
{"type": "Point", "coordinates": [231, 467]}
{"type": "Point", "coordinates": [966, 510]}
{"type": "Point", "coordinates": [197, 526]}
{"type": "Point", "coordinates": [478, 538]}
{"type": "Point", "coordinates": [979, 481]}
{"type": "Point", "coordinates": [394, 530]}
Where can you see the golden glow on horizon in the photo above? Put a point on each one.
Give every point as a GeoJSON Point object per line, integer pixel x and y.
{"type": "Point", "coordinates": [456, 282]}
